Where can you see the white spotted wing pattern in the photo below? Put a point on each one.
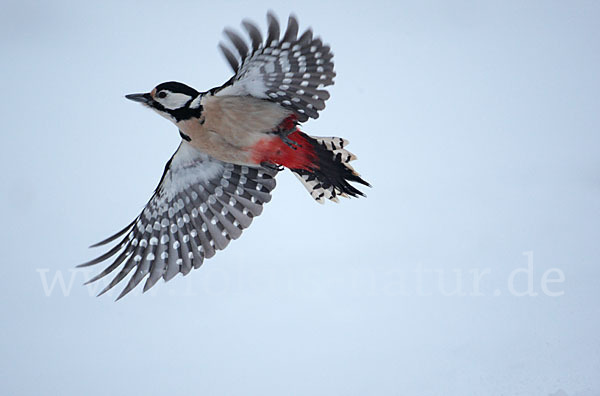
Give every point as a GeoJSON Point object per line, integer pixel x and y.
{"type": "Point", "coordinates": [199, 206]}
{"type": "Point", "coordinates": [289, 70]}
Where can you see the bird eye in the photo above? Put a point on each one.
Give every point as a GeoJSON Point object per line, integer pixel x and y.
{"type": "Point", "coordinates": [162, 94]}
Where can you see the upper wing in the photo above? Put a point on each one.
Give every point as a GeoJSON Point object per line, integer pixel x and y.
{"type": "Point", "coordinates": [199, 205]}
{"type": "Point", "coordinates": [290, 71]}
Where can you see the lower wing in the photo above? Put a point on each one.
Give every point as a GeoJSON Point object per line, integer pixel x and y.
{"type": "Point", "coordinates": [200, 205]}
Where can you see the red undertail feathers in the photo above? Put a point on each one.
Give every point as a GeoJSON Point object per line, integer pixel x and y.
{"type": "Point", "coordinates": [321, 163]}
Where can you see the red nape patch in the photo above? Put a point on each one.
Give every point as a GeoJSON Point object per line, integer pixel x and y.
{"type": "Point", "coordinates": [274, 150]}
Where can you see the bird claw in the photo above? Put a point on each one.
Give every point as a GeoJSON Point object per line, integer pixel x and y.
{"type": "Point", "coordinates": [272, 166]}
{"type": "Point", "coordinates": [291, 143]}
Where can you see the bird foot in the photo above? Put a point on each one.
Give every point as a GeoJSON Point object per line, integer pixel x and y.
{"type": "Point", "coordinates": [271, 166]}
{"type": "Point", "coordinates": [291, 143]}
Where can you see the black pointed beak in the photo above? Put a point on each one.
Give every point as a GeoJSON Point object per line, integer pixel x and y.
{"type": "Point", "coordinates": [142, 98]}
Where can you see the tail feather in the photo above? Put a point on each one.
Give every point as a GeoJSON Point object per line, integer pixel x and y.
{"type": "Point", "coordinates": [322, 164]}
{"type": "Point", "coordinates": [331, 174]}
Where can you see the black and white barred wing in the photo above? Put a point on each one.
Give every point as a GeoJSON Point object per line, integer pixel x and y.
{"type": "Point", "coordinates": [289, 70]}
{"type": "Point", "coordinates": [199, 206]}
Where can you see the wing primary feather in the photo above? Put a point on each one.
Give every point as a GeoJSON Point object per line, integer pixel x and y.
{"type": "Point", "coordinates": [205, 238]}
{"type": "Point", "coordinates": [225, 219]}
{"type": "Point", "coordinates": [194, 243]}
{"type": "Point", "coordinates": [158, 266]}
{"type": "Point", "coordinates": [143, 268]}
{"type": "Point", "coordinates": [254, 33]}
{"type": "Point", "coordinates": [305, 38]}
{"type": "Point", "coordinates": [202, 228]}
{"type": "Point", "coordinates": [188, 262]}
{"type": "Point", "coordinates": [135, 279]}
{"type": "Point", "coordinates": [292, 30]}
{"type": "Point", "coordinates": [173, 267]}
{"type": "Point", "coordinates": [111, 267]}
{"type": "Point", "coordinates": [103, 257]}
{"type": "Point", "coordinates": [185, 223]}
{"type": "Point", "coordinates": [189, 235]}
{"type": "Point", "coordinates": [253, 208]}
{"type": "Point", "coordinates": [273, 28]}
{"type": "Point", "coordinates": [243, 220]}
{"type": "Point", "coordinates": [212, 220]}
{"type": "Point", "coordinates": [238, 43]}
{"type": "Point", "coordinates": [290, 71]}
{"type": "Point", "coordinates": [115, 236]}
{"type": "Point", "coordinates": [230, 57]}
{"type": "Point", "coordinates": [129, 265]}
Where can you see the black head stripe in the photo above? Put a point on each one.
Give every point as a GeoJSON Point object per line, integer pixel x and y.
{"type": "Point", "coordinates": [177, 87]}
{"type": "Point", "coordinates": [185, 112]}
{"type": "Point", "coordinates": [184, 136]}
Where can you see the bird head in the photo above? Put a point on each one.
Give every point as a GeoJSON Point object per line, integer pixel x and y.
{"type": "Point", "coordinates": [173, 100]}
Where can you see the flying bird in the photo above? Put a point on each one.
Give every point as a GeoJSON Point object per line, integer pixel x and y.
{"type": "Point", "coordinates": [235, 139]}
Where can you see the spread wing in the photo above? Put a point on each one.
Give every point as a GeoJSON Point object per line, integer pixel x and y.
{"type": "Point", "coordinates": [289, 70]}
{"type": "Point", "coordinates": [199, 206]}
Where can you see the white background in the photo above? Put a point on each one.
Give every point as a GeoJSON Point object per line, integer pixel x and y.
{"type": "Point", "coordinates": [477, 124]}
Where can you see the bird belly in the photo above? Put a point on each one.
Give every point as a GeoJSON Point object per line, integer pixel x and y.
{"type": "Point", "coordinates": [231, 125]}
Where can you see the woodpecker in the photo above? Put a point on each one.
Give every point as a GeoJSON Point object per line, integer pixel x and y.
{"type": "Point", "coordinates": [235, 139]}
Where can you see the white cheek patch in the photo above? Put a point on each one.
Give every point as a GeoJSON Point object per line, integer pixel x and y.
{"type": "Point", "coordinates": [174, 100]}
{"type": "Point", "coordinates": [196, 102]}
{"type": "Point", "coordinates": [164, 114]}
